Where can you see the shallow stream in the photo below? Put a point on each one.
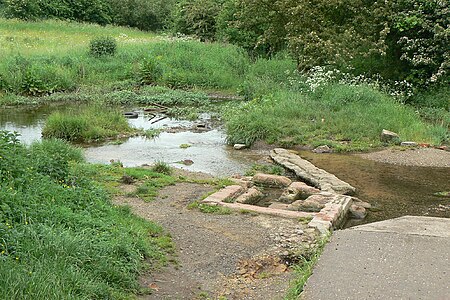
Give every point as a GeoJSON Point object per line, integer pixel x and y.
{"type": "Point", "coordinates": [392, 190]}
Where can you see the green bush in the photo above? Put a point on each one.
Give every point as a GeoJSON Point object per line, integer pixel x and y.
{"type": "Point", "coordinates": [197, 18]}
{"type": "Point", "coordinates": [143, 14]}
{"type": "Point", "coordinates": [94, 11]}
{"type": "Point", "coordinates": [103, 46]}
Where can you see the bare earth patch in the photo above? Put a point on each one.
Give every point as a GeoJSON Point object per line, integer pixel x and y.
{"type": "Point", "coordinates": [236, 256]}
{"type": "Point", "coordinates": [422, 157]}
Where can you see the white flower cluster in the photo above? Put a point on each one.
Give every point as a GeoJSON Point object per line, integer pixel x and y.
{"type": "Point", "coordinates": [320, 76]}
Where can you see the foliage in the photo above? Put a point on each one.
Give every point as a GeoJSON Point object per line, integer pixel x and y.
{"type": "Point", "coordinates": [143, 14]}
{"type": "Point", "coordinates": [63, 238]}
{"type": "Point", "coordinates": [420, 32]}
{"type": "Point", "coordinates": [94, 11]}
{"type": "Point", "coordinates": [266, 169]}
{"type": "Point", "coordinates": [103, 46]}
{"type": "Point", "coordinates": [52, 158]}
{"type": "Point", "coordinates": [256, 25]}
{"type": "Point", "coordinates": [197, 18]}
{"type": "Point", "coordinates": [150, 72]}
{"type": "Point", "coordinates": [210, 209]}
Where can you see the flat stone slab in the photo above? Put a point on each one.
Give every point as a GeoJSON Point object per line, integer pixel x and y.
{"type": "Point", "coordinates": [225, 194]}
{"type": "Point", "coordinates": [411, 225]}
{"type": "Point", "coordinates": [307, 171]}
{"type": "Point", "coordinates": [404, 258]}
{"type": "Point", "coordinates": [267, 210]}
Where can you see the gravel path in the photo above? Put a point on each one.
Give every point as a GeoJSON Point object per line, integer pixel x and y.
{"type": "Point", "coordinates": [217, 255]}
{"type": "Point", "coordinates": [422, 157]}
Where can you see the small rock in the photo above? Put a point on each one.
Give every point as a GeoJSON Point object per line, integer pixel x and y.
{"type": "Point", "coordinates": [424, 145]}
{"type": "Point", "coordinates": [239, 146]}
{"type": "Point", "coordinates": [271, 180]}
{"type": "Point", "coordinates": [187, 162]}
{"type": "Point", "coordinates": [249, 197]}
{"type": "Point", "coordinates": [358, 202]}
{"type": "Point", "coordinates": [297, 190]}
{"type": "Point", "coordinates": [323, 149]}
{"type": "Point", "coordinates": [409, 144]}
{"type": "Point", "coordinates": [389, 137]}
{"type": "Point", "coordinates": [306, 205]}
{"type": "Point", "coordinates": [357, 211]}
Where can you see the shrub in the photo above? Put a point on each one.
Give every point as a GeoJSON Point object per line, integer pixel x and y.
{"type": "Point", "coordinates": [197, 17]}
{"type": "Point", "coordinates": [150, 71]}
{"type": "Point", "coordinates": [102, 46]}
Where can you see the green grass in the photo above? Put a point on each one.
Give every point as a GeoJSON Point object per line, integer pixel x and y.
{"type": "Point", "coordinates": [304, 268]}
{"type": "Point", "coordinates": [210, 209]}
{"type": "Point", "coordinates": [91, 123]}
{"type": "Point", "coordinates": [60, 236]}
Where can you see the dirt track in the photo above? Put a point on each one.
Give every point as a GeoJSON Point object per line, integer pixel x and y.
{"type": "Point", "coordinates": [218, 255]}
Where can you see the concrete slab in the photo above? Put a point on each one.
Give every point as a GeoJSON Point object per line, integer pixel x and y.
{"type": "Point", "coordinates": [404, 258]}
{"type": "Point", "coordinates": [411, 225]}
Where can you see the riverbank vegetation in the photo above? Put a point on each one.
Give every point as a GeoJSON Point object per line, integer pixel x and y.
{"type": "Point", "coordinates": [50, 62]}
{"type": "Point", "coordinates": [60, 236]}
{"type": "Point", "coordinates": [88, 124]}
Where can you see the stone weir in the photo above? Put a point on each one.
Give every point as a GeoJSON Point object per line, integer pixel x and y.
{"type": "Point", "coordinates": [324, 204]}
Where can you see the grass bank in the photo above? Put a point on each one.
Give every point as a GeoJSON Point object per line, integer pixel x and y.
{"type": "Point", "coordinates": [49, 62]}
{"type": "Point", "coordinates": [60, 236]}
{"type": "Point", "coordinates": [91, 123]}
{"type": "Point", "coordinates": [344, 117]}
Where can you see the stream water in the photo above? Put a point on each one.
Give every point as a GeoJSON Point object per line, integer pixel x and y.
{"type": "Point", "coordinates": [392, 190]}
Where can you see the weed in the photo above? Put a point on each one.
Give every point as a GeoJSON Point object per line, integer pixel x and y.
{"type": "Point", "coordinates": [152, 133]}
{"type": "Point", "coordinates": [102, 46]}
{"type": "Point", "coordinates": [162, 167]}
{"type": "Point", "coordinates": [304, 268]}
{"type": "Point", "coordinates": [150, 72]}
{"type": "Point", "coordinates": [185, 146]}
{"type": "Point", "coordinates": [209, 209]}
{"type": "Point", "coordinates": [267, 169]}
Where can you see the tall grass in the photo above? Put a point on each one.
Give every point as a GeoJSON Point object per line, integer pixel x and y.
{"type": "Point", "coordinates": [342, 116]}
{"type": "Point", "coordinates": [92, 123]}
{"type": "Point", "coordinates": [60, 237]}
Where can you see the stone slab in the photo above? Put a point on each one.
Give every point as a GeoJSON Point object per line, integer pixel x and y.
{"type": "Point", "coordinates": [267, 210]}
{"type": "Point", "coordinates": [227, 193]}
{"type": "Point", "coordinates": [411, 225]}
{"type": "Point", "coordinates": [376, 262]}
{"type": "Point", "coordinates": [307, 171]}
